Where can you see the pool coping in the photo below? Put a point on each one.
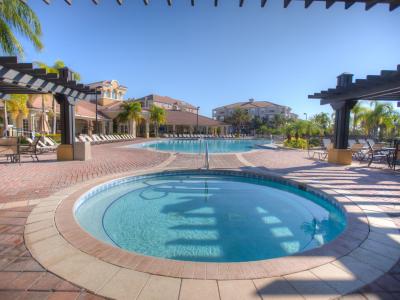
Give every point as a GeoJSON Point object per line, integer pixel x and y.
{"type": "Point", "coordinates": [58, 243]}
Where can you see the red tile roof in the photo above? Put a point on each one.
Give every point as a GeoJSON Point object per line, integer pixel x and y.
{"type": "Point", "coordinates": [187, 118]}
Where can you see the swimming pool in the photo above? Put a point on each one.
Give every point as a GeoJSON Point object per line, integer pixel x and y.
{"type": "Point", "coordinates": [196, 145]}
{"type": "Point", "coordinates": [209, 216]}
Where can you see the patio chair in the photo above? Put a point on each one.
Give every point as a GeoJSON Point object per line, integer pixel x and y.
{"type": "Point", "coordinates": [9, 148]}
{"type": "Point", "coordinates": [32, 149]}
{"type": "Point", "coordinates": [395, 160]}
{"type": "Point", "coordinates": [377, 154]}
{"type": "Point", "coordinates": [358, 151]}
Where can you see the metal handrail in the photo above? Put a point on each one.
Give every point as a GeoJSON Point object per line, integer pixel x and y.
{"type": "Point", "coordinates": [207, 163]}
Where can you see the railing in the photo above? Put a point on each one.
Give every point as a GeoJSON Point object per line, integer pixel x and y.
{"type": "Point", "coordinates": [207, 162]}
{"type": "Point", "coordinates": [206, 155]}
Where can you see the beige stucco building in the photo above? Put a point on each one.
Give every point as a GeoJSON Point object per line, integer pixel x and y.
{"type": "Point", "coordinates": [264, 109]}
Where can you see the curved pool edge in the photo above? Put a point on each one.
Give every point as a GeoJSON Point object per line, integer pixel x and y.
{"type": "Point", "coordinates": [140, 146]}
{"type": "Point", "coordinates": [63, 248]}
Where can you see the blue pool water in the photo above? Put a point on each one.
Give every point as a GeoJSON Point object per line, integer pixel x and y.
{"type": "Point", "coordinates": [209, 217]}
{"type": "Point", "coordinates": [196, 146]}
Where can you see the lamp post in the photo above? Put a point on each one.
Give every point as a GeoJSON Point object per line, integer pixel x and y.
{"type": "Point", "coordinates": [197, 121]}
{"type": "Point", "coordinates": [306, 116]}
{"type": "Point", "coordinates": [97, 123]}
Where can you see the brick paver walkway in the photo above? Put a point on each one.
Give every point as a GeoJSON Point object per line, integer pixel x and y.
{"type": "Point", "coordinates": [21, 277]}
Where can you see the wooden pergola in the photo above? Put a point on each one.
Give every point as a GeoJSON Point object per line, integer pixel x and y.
{"type": "Point", "coordinates": [23, 78]}
{"type": "Point", "coordinates": [393, 4]}
{"type": "Point", "coordinates": [347, 92]}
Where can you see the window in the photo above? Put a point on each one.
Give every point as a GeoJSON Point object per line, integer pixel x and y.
{"type": "Point", "coordinates": [25, 125]}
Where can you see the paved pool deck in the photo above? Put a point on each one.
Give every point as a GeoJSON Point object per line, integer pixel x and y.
{"type": "Point", "coordinates": [30, 192]}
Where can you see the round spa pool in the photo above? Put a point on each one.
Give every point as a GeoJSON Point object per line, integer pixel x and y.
{"type": "Point", "coordinates": [209, 216]}
{"type": "Point", "coordinates": [198, 145]}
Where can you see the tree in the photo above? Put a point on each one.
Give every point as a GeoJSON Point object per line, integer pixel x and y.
{"type": "Point", "coordinates": [238, 119]}
{"type": "Point", "coordinates": [157, 117]}
{"type": "Point", "coordinates": [18, 17]}
{"type": "Point", "coordinates": [131, 113]}
{"type": "Point", "coordinates": [18, 109]}
{"type": "Point", "coordinates": [358, 111]}
{"type": "Point", "coordinates": [58, 64]}
{"type": "Point", "coordinates": [320, 121]}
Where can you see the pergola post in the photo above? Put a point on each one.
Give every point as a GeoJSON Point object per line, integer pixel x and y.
{"type": "Point", "coordinates": [342, 123]}
{"type": "Point", "coordinates": [340, 154]}
{"type": "Point", "coordinates": [65, 151]}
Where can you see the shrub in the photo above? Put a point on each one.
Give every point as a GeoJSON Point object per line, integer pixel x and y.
{"type": "Point", "coordinates": [296, 143]}
{"type": "Point", "coordinates": [314, 142]}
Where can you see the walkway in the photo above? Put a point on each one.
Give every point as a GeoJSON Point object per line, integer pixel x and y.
{"type": "Point", "coordinates": [21, 277]}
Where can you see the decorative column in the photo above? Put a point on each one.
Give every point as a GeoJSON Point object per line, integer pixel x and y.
{"type": "Point", "coordinates": [103, 127]}
{"type": "Point", "coordinates": [147, 131]}
{"type": "Point", "coordinates": [65, 151]}
{"type": "Point", "coordinates": [132, 128]}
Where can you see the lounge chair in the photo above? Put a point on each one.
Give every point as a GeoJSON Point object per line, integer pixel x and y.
{"type": "Point", "coordinates": [351, 142]}
{"type": "Point", "coordinates": [40, 146]}
{"type": "Point", "coordinates": [320, 152]}
{"type": "Point", "coordinates": [32, 149]}
{"type": "Point", "coordinates": [48, 142]}
{"type": "Point", "coordinates": [97, 139]}
{"type": "Point", "coordinates": [364, 142]}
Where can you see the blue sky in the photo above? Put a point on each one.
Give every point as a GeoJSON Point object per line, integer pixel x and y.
{"type": "Point", "coordinates": [214, 56]}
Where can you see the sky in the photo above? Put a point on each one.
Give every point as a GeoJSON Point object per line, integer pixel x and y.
{"type": "Point", "coordinates": [211, 56]}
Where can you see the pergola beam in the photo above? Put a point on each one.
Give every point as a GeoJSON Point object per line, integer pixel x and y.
{"type": "Point", "coordinates": [286, 3]}
{"type": "Point", "coordinates": [370, 3]}
{"type": "Point", "coordinates": [307, 3]}
{"type": "Point", "coordinates": [329, 3]}
{"type": "Point", "coordinates": [393, 4]}
{"type": "Point", "coordinates": [348, 4]}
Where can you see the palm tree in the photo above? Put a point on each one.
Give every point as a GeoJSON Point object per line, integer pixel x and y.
{"type": "Point", "coordinates": [239, 118]}
{"type": "Point", "coordinates": [18, 17]}
{"type": "Point", "coordinates": [18, 108]}
{"type": "Point", "coordinates": [321, 121]}
{"type": "Point", "coordinates": [158, 117]}
{"type": "Point", "coordinates": [131, 113]}
{"type": "Point", "coordinates": [58, 64]}
{"type": "Point", "coordinates": [358, 115]}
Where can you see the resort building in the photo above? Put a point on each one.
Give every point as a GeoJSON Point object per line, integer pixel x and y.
{"type": "Point", "coordinates": [186, 122]}
{"type": "Point", "coordinates": [182, 117]}
{"type": "Point", "coordinates": [264, 109]}
{"type": "Point", "coordinates": [44, 112]}
{"type": "Point", "coordinates": [44, 115]}
{"type": "Point", "coordinates": [167, 103]}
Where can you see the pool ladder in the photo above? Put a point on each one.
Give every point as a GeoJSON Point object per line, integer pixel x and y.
{"type": "Point", "coordinates": [206, 156]}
